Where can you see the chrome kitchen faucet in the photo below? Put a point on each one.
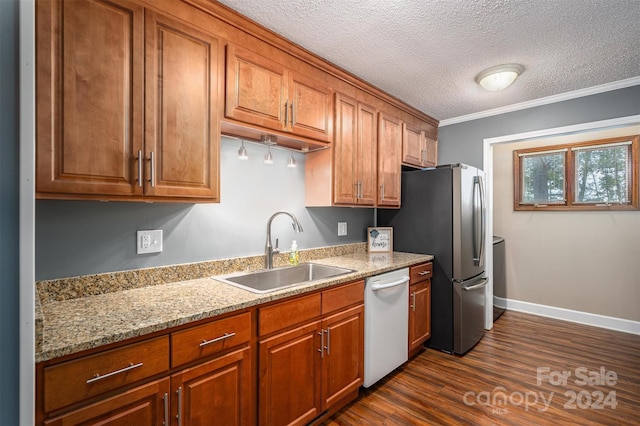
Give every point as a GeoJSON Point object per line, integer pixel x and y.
{"type": "Point", "coordinates": [268, 249]}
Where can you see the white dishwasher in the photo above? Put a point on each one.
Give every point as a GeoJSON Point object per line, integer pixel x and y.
{"type": "Point", "coordinates": [386, 324]}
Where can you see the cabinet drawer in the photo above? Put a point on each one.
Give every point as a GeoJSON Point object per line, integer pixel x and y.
{"type": "Point", "coordinates": [93, 375]}
{"type": "Point", "coordinates": [421, 272]}
{"type": "Point", "coordinates": [285, 314]}
{"type": "Point", "coordinates": [208, 339]}
{"type": "Point", "coordinates": [343, 296]}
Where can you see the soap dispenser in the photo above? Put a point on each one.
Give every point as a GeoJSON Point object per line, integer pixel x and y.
{"type": "Point", "coordinates": [293, 253]}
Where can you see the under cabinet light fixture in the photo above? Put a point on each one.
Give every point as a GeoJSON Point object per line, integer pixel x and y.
{"type": "Point", "coordinates": [242, 152]}
{"type": "Point", "coordinates": [291, 162]}
{"type": "Point", "coordinates": [499, 77]}
{"type": "Point", "coordinates": [268, 158]}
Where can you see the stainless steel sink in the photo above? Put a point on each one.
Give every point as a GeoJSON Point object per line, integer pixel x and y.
{"type": "Point", "coordinates": [267, 280]}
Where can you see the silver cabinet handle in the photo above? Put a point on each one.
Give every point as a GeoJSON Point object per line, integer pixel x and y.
{"type": "Point", "coordinates": [413, 301]}
{"type": "Point", "coordinates": [286, 113]}
{"type": "Point", "coordinates": [293, 116]}
{"type": "Point", "coordinates": [382, 191]}
{"type": "Point", "coordinates": [165, 400]}
{"type": "Point", "coordinates": [140, 167]}
{"type": "Point", "coordinates": [98, 377]}
{"type": "Point", "coordinates": [423, 156]}
{"type": "Point", "coordinates": [321, 350]}
{"type": "Point", "coordinates": [152, 174]}
{"type": "Point", "coordinates": [217, 339]}
{"type": "Point", "coordinates": [179, 415]}
{"type": "Point", "coordinates": [360, 188]}
{"type": "Point", "coordinates": [423, 273]}
{"type": "Point", "coordinates": [328, 347]}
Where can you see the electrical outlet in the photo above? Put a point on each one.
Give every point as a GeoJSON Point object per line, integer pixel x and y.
{"type": "Point", "coordinates": [149, 241]}
{"type": "Point", "coordinates": [342, 229]}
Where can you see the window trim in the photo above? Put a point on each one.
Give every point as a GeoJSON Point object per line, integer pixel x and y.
{"type": "Point", "coordinates": [569, 168]}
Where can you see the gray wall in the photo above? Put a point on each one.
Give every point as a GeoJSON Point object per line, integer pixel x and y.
{"type": "Point", "coordinates": [84, 237]}
{"type": "Point", "coordinates": [9, 218]}
{"type": "Point", "coordinates": [463, 142]}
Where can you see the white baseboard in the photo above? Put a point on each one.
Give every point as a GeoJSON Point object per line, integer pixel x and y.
{"type": "Point", "coordinates": [611, 323]}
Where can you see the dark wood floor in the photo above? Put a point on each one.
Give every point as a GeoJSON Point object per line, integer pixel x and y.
{"type": "Point", "coordinates": [497, 382]}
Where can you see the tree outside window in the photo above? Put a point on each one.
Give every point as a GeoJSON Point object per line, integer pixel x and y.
{"type": "Point", "coordinates": [594, 175]}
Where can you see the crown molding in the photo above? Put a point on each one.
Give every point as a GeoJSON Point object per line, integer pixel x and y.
{"type": "Point", "coordinates": [634, 81]}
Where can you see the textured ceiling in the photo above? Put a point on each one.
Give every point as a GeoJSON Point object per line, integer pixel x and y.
{"type": "Point", "coordinates": [428, 52]}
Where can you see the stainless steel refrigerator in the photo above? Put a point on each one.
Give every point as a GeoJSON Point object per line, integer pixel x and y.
{"type": "Point", "coordinates": [443, 214]}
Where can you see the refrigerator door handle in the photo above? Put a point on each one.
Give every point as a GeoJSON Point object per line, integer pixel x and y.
{"type": "Point", "coordinates": [481, 284]}
{"type": "Point", "coordinates": [478, 248]}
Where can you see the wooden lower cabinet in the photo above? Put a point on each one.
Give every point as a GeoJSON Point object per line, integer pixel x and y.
{"type": "Point", "coordinates": [217, 392]}
{"type": "Point", "coordinates": [141, 406]}
{"type": "Point", "coordinates": [419, 306]}
{"type": "Point", "coordinates": [290, 366]}
{"type": "Point", "coordinates": [309, 369]}
{"type": "Point", "coordinates": [343, 361]}
{"type": "Point", "coordinates": [419, 314]}
{"type": "Point", "coordinates": [316, 366]}
{"type": "Point", "coordinates": [309, 363]}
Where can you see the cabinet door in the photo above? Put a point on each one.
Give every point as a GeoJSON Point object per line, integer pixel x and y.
{"type": "Point", "coordinates": [431, 152]}
{"type": "Point", "coordinates": [412, 145]}
{"type": "Point", "coordinates": [256, 89]}
{"type": "Point", "coordinates": [366, 154]}
{"type": "Point", "coordinates": [89, 94]}
{"type": "Point", "coordinates": [217, 392]}
{"type": "Point", "coordinates": [147, 405]}
{"type": "Point", "coordinates": [181, 120]}
{"type": "Point", "coordinates": [310, 106]}
{"type": "Point", "coordinates": [343, 356]}
{"type": "Point", "coordinates": [419, 314]}
{"type": "Point", "coordinates": [290, 374]}
{"type": "Point", "coordinates": [346, 183]}
{"type": "Point", "coordinates": [389, 151]}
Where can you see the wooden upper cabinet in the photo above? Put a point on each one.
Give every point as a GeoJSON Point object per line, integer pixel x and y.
{"type": "Point", "coordinates": [430, 152]}
{"type": "Point", "coordinates": [354, 152]}
{"type": "Point", "coordinates": [345, 183]}
{"type": "Point", "coordinates": [89, 88]}
{"type": "Point", "coordinates": [412, 145]}
{"type": "Point", "coordinates": [264, 93]}
{"type": "Point", "coordinates": [181, 115]}
{"type": "Point", "coordinates": [389, 151]}
{"type": "Point", "coordinates": [256, 89]}
{"type": "Point", "coordinates": [126, 106]}
{"type": "Point", "coordinates": [310, 103]}
{"type": "Point", "coordinates": [418, 148]}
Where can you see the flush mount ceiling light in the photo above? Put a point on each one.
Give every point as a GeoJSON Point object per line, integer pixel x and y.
{"type": "Point", "coordinates": [242, 152]}
{"type": "Point", "coordinates": [499, 77]}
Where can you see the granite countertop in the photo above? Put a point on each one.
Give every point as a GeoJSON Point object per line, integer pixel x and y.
{"type": "Point", "coordinates": [74, 325]}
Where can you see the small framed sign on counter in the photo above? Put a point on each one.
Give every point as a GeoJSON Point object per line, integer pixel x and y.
{"type": "Point", "coordinates": [379, 240]}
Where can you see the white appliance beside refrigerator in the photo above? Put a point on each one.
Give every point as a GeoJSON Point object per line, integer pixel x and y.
{"type": "Point", "coordinates": [443, 214]}
{"type": "Point", "coordinates": [386, 324]}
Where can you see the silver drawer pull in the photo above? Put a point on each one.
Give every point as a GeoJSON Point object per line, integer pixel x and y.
{"type": "Point", "coordinates": [217, 339]}
{"type": "Point", "coordinates": [424, 273]}
{"type": "Point", "coordinates": [113, 373]}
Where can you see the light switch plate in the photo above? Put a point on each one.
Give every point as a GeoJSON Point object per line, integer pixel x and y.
{"type": "Point", "coordinates": [149, 241]}
{"type": "Point", "coordinates": [342, 229]}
